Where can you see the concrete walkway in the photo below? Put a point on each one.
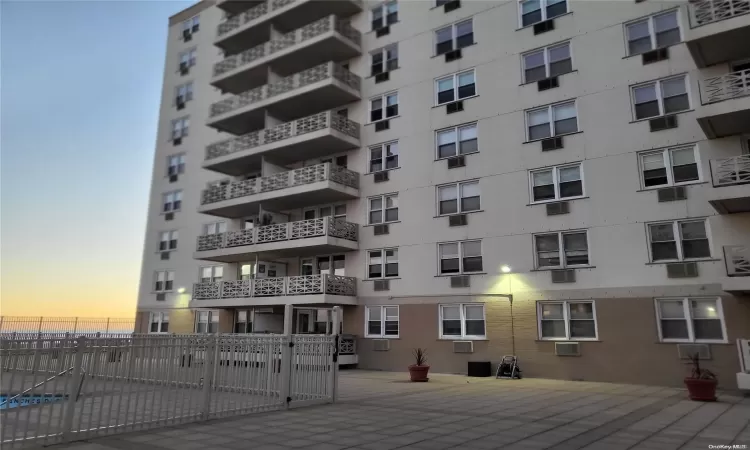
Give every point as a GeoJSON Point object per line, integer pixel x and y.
{"type": "Point", "coordinates": [382, 411]}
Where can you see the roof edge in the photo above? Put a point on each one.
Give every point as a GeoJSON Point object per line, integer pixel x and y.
{"type": "Point", "coordinates": [190, 11]}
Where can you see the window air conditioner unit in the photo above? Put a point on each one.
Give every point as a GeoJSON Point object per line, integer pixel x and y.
{"type": "Point", "coordinates": [164, 256]}
{"type": "Point", "coordinates": [662, 123]}
{"type": "Point", "coordinates": [686, 351]}
{"type": "Point", "coordinates": [454, 107]}
{"type": "Point", "coordinates": [660, 54]}
{"type": "Point", "coordinates": [564, 276]}
{"type": "Point", "coordinates": [382, 285]}
{"type": "Point", "coordinates": [451, 6]}
{"type": "Point", "coordinates": [380, 229]}
{"type": "Point", "coordinates": [180, 104]}
{"type": "Point", "coordinates": [553, 143]}
{"type": "Point", "coordinates": [460, 281]}
{"type": "Point", "coordinates": [382, 125]}
{"type": "Point", "coordinates": [172, 178]}
{"type": "Point", "coordinates": [161, 297]}
{"type": "Point", "coordinates": [453, 55]}
{"type": "Point", "coordinates": [381, 345]}
{"type": "Point", "coordinates": [184, 68]}
{"type": "Point", "coordinates": [169, 216]}
{"type": "Point", "coordinates": [458, 220]}
{"type": "Point", "coordinates": [543, 27]}
{"type": "Point", "coordinates": [672, 194]}
{"type": "Point", "coordinates": [457, 161]}
{"type": "Point", "coordinates": [187, 35]}
{"type": "Point", "coordinates": [567, 349]}
{"type": "Point", "coordinates": [548, 83]}
{"type": "Point", "coordinates": [382, 31]}
{"type": "Point", "coordinates": [554, 209]}
{"type": "Point", "coordinates": [463, 347]}
{"type": "Point", "coordinates": [381, 176]}
{"type": "Point", "coordinates": [682, 270]}
{"type": "Point", "coordinates": [177, 141]}
{"type": "Point", "coordinates": [383, 76]}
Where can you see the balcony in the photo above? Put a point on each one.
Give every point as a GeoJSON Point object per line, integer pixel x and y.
{"type": "Point", "coordinates": [326, 39]}
{"type": "Point", "coordinates": [310, 137]}
{"type": "Point", "coordinates": [720, 31]}
{"type": "Point", "coordinates": [732, 176]}
{"type": "Point", "coordinates": [283, 240]}
{"type": "Point", "coordinates": [305, 289]}
{"type": "Point", "coordinates": [253, 26]}
{"type": "Point", "coordinates": [322, 87]}
{"type": "Point", "coordinates": [726, 104]}
{"type": "Point", "coordinates": [233, 7]}
{"type": "Point", "coordinates": [737, 259]}
{"type": "Point", "coordinates": [311, 185]}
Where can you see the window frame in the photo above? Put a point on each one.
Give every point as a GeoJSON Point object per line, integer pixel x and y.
{"type": "Point", "coordinates": [660, 96]}
{"type": "Point", "coordinates": [384, 147]}
{"type": "Point", "coordinates": [454, 36]}
{"type": "Point", "coordinates": [462, 309]}
{"type": "Point", "coordinates": [184, 128]}
{"type": "Point", "coordinates": [668, 165]}
{"type": "Point", "coordinates": [384, 63]}
{"type": "Point", "coordinates": [176, 199]}
{"type": "Point", "coordinates": [249, 319]}
{"type": "Point", "coordinates": [180, 166]}
{"type": "Point", "coordinates": [383, 7]}
{"type": "Point", "coordinates": [384, 100]}
{"type": "Point", "coordinates": [213, 277]}
{"type": "Point", "coordinates": [545, 51]}
{"type": "Point", "coordinates": [168, 277]}
{"type": "Point", "coordinates": [383, 320]}
{"type": "Point", "coordinates": [561, 250]}
{"type": "Point", "coordinates": [192, 57]}
{"type": "Point", "coordinates": [652, 30]}
{"type": "Point", "coordinates": [688, 318]}
{"type": "Point", "coordinates": [383, 198]}
{"type": "Point", "coordinates": [556, 183]}
{"type": "Point", "coordinates": [455, 76]}
{"type": "Point", "coordinates": [188, 86]}
{"type": "Point", "coordinates": [543, 8]}
{"type": "Point", "coordinates": [210, 314]}
{"type": "Point", "coordinates": [458, 185]}
{"type": "Point", "coordinates": [161, 315]}
{"type": "Point", "coordinates": [677, 234]}
{"type": "Point", "coordinates": [457, 130]}
{"type": "Point", "coordinates": [551, 117]}
{"type": "Point", "coordinates": [172, 235]}
{"type": "Point", "coordinates": [383, 264]}
{"type": "Point", "coordinates": [217, 225]}
{"type": "Point", "coordinates": [190, 24]}
{"type": "Point", "coordinates": [566, 319]}
{"type": "Point", "coordinates": [461, 270]}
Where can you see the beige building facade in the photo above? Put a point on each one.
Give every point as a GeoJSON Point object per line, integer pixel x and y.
{"type": "Point", "coordinates": [564, 181]}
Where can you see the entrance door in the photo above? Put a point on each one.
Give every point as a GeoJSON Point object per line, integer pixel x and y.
{"type": "Point", "coordinates": [304, 321]}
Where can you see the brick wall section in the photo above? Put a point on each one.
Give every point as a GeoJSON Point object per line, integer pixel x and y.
{"type": "Point", "coordinates": [226, 320]}
{"type": "Point", "coordinates": [141, 322]}
{"type": "Point", "coordinates": [628, 350]}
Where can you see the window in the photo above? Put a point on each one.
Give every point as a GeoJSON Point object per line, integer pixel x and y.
{"type": "Point", "coordinates": [679, 240]}
{"type": "Point", "coordinates": [455, 87]}
{"type": "Point", "coordinates": [452, 37]}
{"type": "Point", "coordinates": [381, 321]}
{"type": "Point", "coordinates": [168, 240]}
{"type": "Point", "coordinates": [533, 11]}
{"type": "Point", "coordinates": [184, 93]}
{"type": "Point", "coordinates": [462, 321]}
{"type": "Point", "coordinates": [384, 157]}
{"type": "Point", "coordinates": [660, 98]}
{"type": "Point", "coordinates": [382, 263]}
{"type": "Point", "coordinates": [175, 164]}
{"type": "Point", "coordinates": [207, 322]}
{"type": "Point", "coordinates": [383, 209]}
{"type": "Point", "coordinates": [215, 228]}
{"type": "Point", "coordinates": [191, 25]}
{"type": "Point", "coordinates": [385, 59]}
{"type": "Point", "coordinates": [669, 167]}
{"type": "Point", "coordinates": [568, 320]}
{"type": "Point", "coordinates": [448, 198]}
{"type": "Point", "coordinates": [460, 140]}
{"type": "Point", "coordinates": [460, 257]}
{"type": "Point", "coordinates": [552, 120]}
{"type": "Point", "coordinates": [172, 201]}
{"type": "Point", "coordinates": [391, 107]}
{"type": "Point", "coordinates": [158, 322]}
{"type": "Point", "coordinates": [384, 15]}
{"type": "Point", "coordinates": [212, 274]}
{"type": "Point", "coordinates": [180, 127]}
{"type": "Point", "coordinates": [573, 252]}
{"type": "Point", "coordinates": [691, 320]}
{"type": "Point", "coordinates": [243, 321]}
{"type": "Point", "coordinates": [556, 183]}
{"type": "Point", "coordinates": [547, 62]}
{"type": "Point", "coordinates": [653, 32]}
{"type": "Point", "coordinates": [163, 281]}
{"type": "Point", "coordinates": [187, 58]}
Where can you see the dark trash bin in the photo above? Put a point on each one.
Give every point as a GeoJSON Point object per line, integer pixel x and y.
{"type": "Point", "coordinates": [480, 369]}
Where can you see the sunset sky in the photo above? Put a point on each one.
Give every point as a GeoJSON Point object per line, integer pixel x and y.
{"type": "Point", "coordinates": [81, 85]}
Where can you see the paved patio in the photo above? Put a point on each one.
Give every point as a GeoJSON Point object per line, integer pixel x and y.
{"type": "Point", "coordinates": [381, 411]}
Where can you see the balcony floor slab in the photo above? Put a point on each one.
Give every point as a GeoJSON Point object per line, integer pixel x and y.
{"type": "Point", "coordinates": [311, 299]}
{"type": "Point", "coordinates": [270, 251]}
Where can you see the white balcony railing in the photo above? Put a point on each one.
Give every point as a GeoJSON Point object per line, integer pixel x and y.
{"type": "Point", "coordinates": [309, 124]}
{"type": "Point", "coordinates": [729, 171]}
{"type": "Point", "coordinates": [287, 40]}
{"type": "Point", "coordinates": [737, 258]}
{"type": "Point", "coordinates": [326, 226]}
{"type": "Point", "coordinates": [276, 287]}
{"type": "Point", "coordinates": [248, 16]}
{"type": "Point", "coordinates": [725, 87]}
{"type": "Point", "coordinates": [295, 81]}
{"type": "Point", "coordinates": [279, 181]}
{"type": "Point", "coordinates": [703, 12]}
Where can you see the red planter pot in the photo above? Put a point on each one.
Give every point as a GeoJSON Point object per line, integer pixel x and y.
{"type": "Point", "coordinates": [701, 390]}
{"type": "Point", "coordinates": [418, 373]}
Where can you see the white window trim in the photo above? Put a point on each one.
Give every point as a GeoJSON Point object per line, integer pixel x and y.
{"type": "Point", "coordinates": [383, 51]}
{"type": "Point", "coordinates": [461, 270]}
{"type": "Point", "coordinates": [454, 35]}
{"type": "Point", "coordinates": [561, 250]}
{"type": "Point", "coordinates": [462, 308]}
{"type": "Point", "coordinates": [543, 5]}
{"type": "Point", "coordinates": [566, 319]}
{"type": "Point", "coordinates": [678, 240]}
{"type": "Point", "coordinates": [168, 276]}
{"type": "Point", "coordinates": [180, 164]}
{"type": "Point", "coordinates": [213, 273]}
{"type": "Point", "coordinates": [211, 314]}
{"type": "Point", "coordinates": [216, 224]}
{"type": "Point", "coordinates": [660, 96]}
{"type": "Point", "coordinates": [382, 264]}
{"type": "Point", "coordinates": [172, 202]}
{"type": "Point", "coordinates": [192, 56]}
{"type": "Point", "coordinates": [383, 7]}
{"type": "Point", "coordinates": [546, 51]}
{"type": "Point", "coordinates": [458, 185]}
{"type": "Point", "coordinates": [184, 128]}
{"type": "Point", "coordinates": [249, 319]}
{"type": "Point", "coordinates": [651, 31]}
{"type": "Point", "coordinates": [550, 115]}
{"type": "Point", "coordinates": [173, 235]}
{"type": "Point", "coordinates": [383, 150]}
{"type": "Point", "coordinates": [382, 334]}
{"type": "Point", "coordinates": [666, 156]}
{"type": "Point", "coordinates": [455, 86]}
{"type": "Point", "coordinates": [188, 92]}
{"type": "Point", "coordinates": [382, 210]}
{"type": "Point", "coordinates": [159, 316]}
{"type": "Point", "coordinates": [556, 182]}
{"type": "Point", "coordinates": [688, 319]}
{"type": "Point", "coordinates": [384, 99]}
{"type": "Point", "coordinates": [455, 129]}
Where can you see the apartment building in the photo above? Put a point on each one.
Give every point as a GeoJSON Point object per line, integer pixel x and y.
{"type": "Point", "coordinates": [561, 180]}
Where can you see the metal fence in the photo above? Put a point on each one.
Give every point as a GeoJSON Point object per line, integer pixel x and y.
{"type": "Point", "coordinates": [61, 389]}
{"type": "Point", "coordinates": [80, 325]}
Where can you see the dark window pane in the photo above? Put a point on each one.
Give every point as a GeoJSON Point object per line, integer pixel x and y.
{"type": "Point", "coordinates": [571, 189]}
{"type": "Point", "coordinates": [540, 131]}
{"type": "Point", "coordinates": [667, 38]}
{"type": "Point", "coordinates": [448, 206]}
{"type": "Point", "coordinates": [688, 172]}
{"type": "Point", "coordinates": [154, 327]}
{"type": "Point", "coordinates": [163, 245]}
{"type": "Point", "coordinates": [375, 217]}
{"type": "Point", "coordinates": [449, 265]}
{"type": "Point", "coordinates": [553, 329]}
{"type": "Point", "coordinates": [641, 45]}
{"type": "Point", "coordinates": [391, 215]}
{"type": "Point", "coordinates": [549, 259]}
{"type": "Point", "coordinates": [475, 327]}
{"type": "Point", "coordinates": [576, 258]}
{"type": "Point", "coordinates": [535, 74]}
{"type": "Point", "coordinates": [560, 67]}
{"type": "Point", "coordinates": [655, 177]}
{"type": "Point", "coordinates": [582, 329]}
{"type": "Point", "coordinates": [376, 68]}
{"type": "Point", "coordinates": [164, 327]}
{"type": "Point", "coordinates": [473, 264]}
{"type": "Point", "coordinates": [452, 327]}
{"type": "Point", "coordinates": [377, 23]}
{"type": "Point", "coordinates": [391, 111]}
{"type": "Point", "coordinates": [391, 270]}
{"type": "Point", "coordinates": [696, 249]}
{"type": "Point", "coordinates": [466, 91]}
{"type": "Point", "coordinates": [392, 18]}
{"type": "Point", "coordinates": [469, 146]}
{"type": "Point", "coordinates": [648, 109]}
{"type": "Point", "coordinates": [676, 103]}
{"type": "Point", "coordinates": [544, 192]}
{"type": "Point", "coordinates": [444, 47]}
{"type": "Point", "coordinates": [376, 114]}
{"type": "Point", "coordinates": [674, 329]}
{"type": "Point", "coordinates": [708, 329]}
{"type": "Point", "coordinates": [532, 17]}
{"type": "Point", "coordinates": [373, 327]}
{"type": "Point", "coordinates": [465, 40]}
{"type": "Point", "coordinates": [557, 9]}
{"type": "Point", "coordinates": [391, 327]}
{"type": "Point", "coordinates": [391, 162]}
{"type": "Point", "coordinates": [376, 166]}
{"type": "Point", "coordinates": [566, 126]}
{"type": "Point", "coordinates": [446, 150]}
{"type": "Point", "coordinates": [663, 250]}
{"type": "Point", "coordinates": [470, 204]}
{"type": "Point", "coordinates": [375, 271]}
{"type": "Point", "coordinates": [445, 96]}
{"type": "Point", "coordinates": [168, 285]}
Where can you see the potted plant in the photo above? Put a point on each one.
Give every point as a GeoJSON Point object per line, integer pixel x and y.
{"type": "Point", "coordinates": [701, 384]}
{"type": "Point", "coordinates": [418, 371]}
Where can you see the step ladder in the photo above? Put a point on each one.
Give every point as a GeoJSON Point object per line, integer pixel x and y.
{"type": "Point", "coordinates": [508, 368]}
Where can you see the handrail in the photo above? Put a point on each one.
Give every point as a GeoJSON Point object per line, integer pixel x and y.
{"type": "Point", "coordinates": [8, 400]}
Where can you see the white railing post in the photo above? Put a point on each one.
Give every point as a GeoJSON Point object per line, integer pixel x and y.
{"type": "Point", "coordinates": [72, 389]}
{"type": "Point", "coordinates": [208, 373]}
{"type": "Point", "coordinates": [41, 319]}
{"type": "Point", "coordinates": [334, 377]}
{"type": "Point", "coordinates": [286, 356]}
{"type": "Point", "coordinates": [324, 283]}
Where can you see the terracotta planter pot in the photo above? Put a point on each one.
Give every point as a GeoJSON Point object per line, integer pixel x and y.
{"type": "Point", "coordinates": [701, 390]}
{"type": "Point", "coordinates": [418, 373]}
